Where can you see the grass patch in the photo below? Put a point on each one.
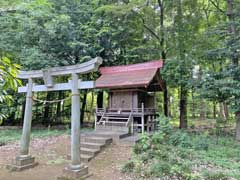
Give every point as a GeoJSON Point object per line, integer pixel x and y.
{"type": "Point", "coordinates": [59, 160]}
{"type": "Point", "coordinates": [175, 154]}
{"type": "Point", "coordinates": [7, 136]}
{"type": "Point", "coordinates": [10, 135]}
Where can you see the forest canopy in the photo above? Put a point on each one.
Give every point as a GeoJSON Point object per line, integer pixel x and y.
{"type": "Point", "coordinates": [199, 42]}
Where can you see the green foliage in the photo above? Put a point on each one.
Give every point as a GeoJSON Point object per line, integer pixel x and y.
{"type": "Point", "coordinates": [221, 81]}
{"type": "Point", "coordinates": [8, 80]}
{"type": "Point", "coordinates": [215, 175]}
{"type": "Point", "coordinates": [128, 167]}
{"type": "Point", "coordinates": [8, 73]}
{"type": "Point", "coordinates": [177, 154]}
{"type": "Point", "coordinates": [201, 143]}
{"type": "Point", "coordinates": [165, 125]}
{"type": "Point", "coordinates": [180, 138]}
{"type": "Point", "coordinates": [42, 33]}
{"type": "Point", "coordinates": [143, 146]}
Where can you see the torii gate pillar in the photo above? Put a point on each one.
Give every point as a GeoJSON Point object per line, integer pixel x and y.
{"type": "Point", "coordinates": [75, 170]}
{"type": "Point", "coordinates": [24, 160]}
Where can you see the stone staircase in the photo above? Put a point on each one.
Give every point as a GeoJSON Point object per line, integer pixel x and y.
{"type": "Point", "coordinates": [93, 143]}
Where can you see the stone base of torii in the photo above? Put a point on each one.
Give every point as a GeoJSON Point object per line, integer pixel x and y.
{"type": "Point", "coordinates": [24, 160]}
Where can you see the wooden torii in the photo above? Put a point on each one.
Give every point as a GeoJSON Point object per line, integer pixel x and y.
{"type": "Point", "coordinates": [24, 160]}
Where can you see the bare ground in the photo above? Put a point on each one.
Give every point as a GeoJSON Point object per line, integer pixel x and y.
{"type": "Point", "coordinates": [51, 153]}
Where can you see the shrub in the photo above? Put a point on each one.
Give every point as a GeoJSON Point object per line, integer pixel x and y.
{"type": "Point", "coordinates": [143, 145]}
{"type": "Point", "coordinates": [215, 175]}
{"type": "Point", "coordinates": [176, 154]}
{"type": "Point", "coordinates": [164, 125]}
{"type": "Point", "coordinates": [180, 138]}
{"type": "Point", "coordinates": [201, 143]}
{"type": "Point", "coordinates": [158, 169]}
{"type": "Point", "coordinates": [128, 167]}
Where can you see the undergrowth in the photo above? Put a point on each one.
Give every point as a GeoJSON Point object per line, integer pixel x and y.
{"type": "Point", "coordinates": [176, 154]}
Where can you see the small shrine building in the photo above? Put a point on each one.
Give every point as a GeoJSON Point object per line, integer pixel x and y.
{"type": "Point", "coordinates": [131, 96]}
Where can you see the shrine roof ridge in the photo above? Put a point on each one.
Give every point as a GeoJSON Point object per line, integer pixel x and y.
{"type": "Point", "coordinates": [154, 64]}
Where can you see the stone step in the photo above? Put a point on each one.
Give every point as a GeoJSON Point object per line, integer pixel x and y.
{"type": "Point", "coordinates": [86, 158]}
{"type": "Point", "coordinates": [116, 134]}
{"type": "Point", "coordinates": [117, 114]}
{"type": "Point", "coordinates": [115, 123]}
{"type": "Point", "coordinates": [90, 152]}
{"type": "Point", "coordinates": [98, 140]}
{"type": "Point", "coordinates": [92, 145]}
{"type": "Point", "coordinates": [100, 134]}
{"type": "Point", "coordinates": [124, 135]}
{"type": "Point", "coordinates": [106, 133]}
{"type": "Point", "coordinates": [111, 128]}
{"type": "Point", "coordinates": [115, 117]}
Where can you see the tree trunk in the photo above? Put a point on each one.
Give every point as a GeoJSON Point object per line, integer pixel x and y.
{"type": "Point", "coordinates": [202, 110]}
{"type": "Point", "coordinates": [214, 110]}
{"type": "Point", "coordinates": [12, 117]}
{"type": "Point", "coordinates": [22, 113]}
{"type": "Point", "coordinates": [183, 108]}
{"type": "Point", "coordinates": [193, 105]}
{"type": "Point", "coordinates": [165, 99]}
{"type": "Point", "coordinates": [91, 106]}
{"type": "Point", "coordinates": [46, 117]}
{"type": "Point", "coordinates": [84, 101]}
{"type": "Point", "coordinates": [182, 64]}
{"type": "Point", "coordinates": [221, 111]}
{"type": "Point", "coordinates": [59, 107]}
{"type": "Point", "coordinates": [225, 107]}
{"type": "Point", "coordinates": [234, 56]}
{"type": "Point", "coordinates": [100, 99]}
{"type": "Point", "coordinates": [170, 103]}
{"type": "Point", "coordinates": [163, 54]}
{"type": "Point", "coordinates": [237, 115]}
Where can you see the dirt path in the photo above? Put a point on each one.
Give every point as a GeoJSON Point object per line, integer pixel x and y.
{"type": "Point", "coordinates": [51, 154]}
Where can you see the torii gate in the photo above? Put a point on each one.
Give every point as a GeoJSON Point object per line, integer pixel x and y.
{"type": "Point", "coordinates": [24, 160]}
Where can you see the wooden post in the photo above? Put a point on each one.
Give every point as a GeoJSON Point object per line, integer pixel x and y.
{"type": "Point", "coordinates": [142, 118]}
{"type": "Point", "coordinates": [153, 125]}
{"type": "Point", "coordinates": [25, 139]}
{"type": "Point", "coordinates": [148, 123]}
{"type": "Point", "coordinates": [132, 126]}
{"type": "Point", "coordinates": [95, 118]}
{"type": "Point", "coordinates": [75, 124]}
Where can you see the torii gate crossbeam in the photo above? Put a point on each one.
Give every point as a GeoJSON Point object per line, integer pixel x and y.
{"type": "Point", "coordinates": [24, 160]}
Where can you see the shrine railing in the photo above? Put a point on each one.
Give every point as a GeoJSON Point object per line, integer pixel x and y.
{"type": "Point", "coordinates": [126, 110]}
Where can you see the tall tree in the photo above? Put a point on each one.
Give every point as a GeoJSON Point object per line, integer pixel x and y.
{"type": "Point", "coordinates": [233, 43]}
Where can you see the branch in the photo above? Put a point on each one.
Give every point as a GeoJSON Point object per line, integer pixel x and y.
{"type": "Point", "coordinates": [149, 29]}
{"type": "Point", "coordinates": [7, 11]}
{"type": "Point", "coordinates": [216, 6]}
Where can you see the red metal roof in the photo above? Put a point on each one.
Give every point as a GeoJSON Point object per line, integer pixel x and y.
{"type": "Point", "coordinates": [128, 76]}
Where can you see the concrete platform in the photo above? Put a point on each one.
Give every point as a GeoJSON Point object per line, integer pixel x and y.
{"type": "Point", "coordinates": [21, 163]}
{"type": "Point", "coordinates": [75, 174]}
{"type": "Point", "coordinates": [130, 140]}
{"type": "Point", "coordinates": [116, 135]}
